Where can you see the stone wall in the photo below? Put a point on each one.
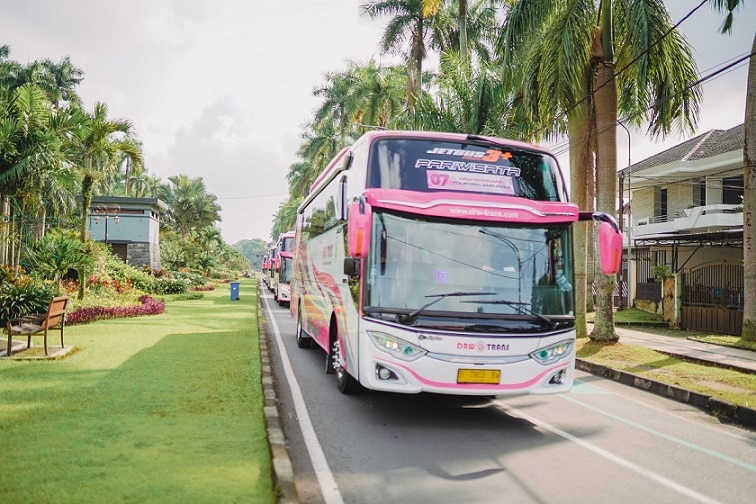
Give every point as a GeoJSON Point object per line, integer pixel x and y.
{"type": "Point", "coordinates": [139, 255]}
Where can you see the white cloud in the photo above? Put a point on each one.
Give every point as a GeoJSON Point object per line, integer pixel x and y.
{"type": "Point", "coordinates": [221, 89]}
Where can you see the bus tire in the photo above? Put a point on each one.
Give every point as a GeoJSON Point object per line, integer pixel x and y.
{"type": "Point", "coordinates": [303, 341]}
{"type": "Point", "coordinates": [345, 382]}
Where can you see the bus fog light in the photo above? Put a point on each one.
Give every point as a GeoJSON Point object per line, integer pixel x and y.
{"type": "Point", "coordinates": [559, 377]}
{"type": "Point", "coordinates": [553, 353]}
{"type": "Point", "coordinates": [384, 373]}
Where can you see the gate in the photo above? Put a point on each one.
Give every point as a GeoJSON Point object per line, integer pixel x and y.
{"type": "Point", "coordinates": [712, 298]}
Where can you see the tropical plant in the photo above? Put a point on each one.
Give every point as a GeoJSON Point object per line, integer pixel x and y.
{"type": "Point", "coordinates": [190, 206]}
{"type": "Point", "coordinates": [24, 296]}
{"type": "Point", "coordinates": [407, 23]}
{"type": "Point", "coordinates": [470, 98]}
{"type": "Point", "coordinates": [55, 254]}
{"type": "Point", "coordinates": [101, 146]}
{"type": "Point", "coordinates": [285, 217]}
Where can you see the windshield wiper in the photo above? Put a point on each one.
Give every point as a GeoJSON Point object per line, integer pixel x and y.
{"type": "Point", "coordinates": [520, 307]}
{"type": "Point", "coordinates": [409, 317]}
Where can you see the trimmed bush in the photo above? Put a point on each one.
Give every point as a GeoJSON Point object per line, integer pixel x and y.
{"type": "Point", "coordinates": [23, 297]}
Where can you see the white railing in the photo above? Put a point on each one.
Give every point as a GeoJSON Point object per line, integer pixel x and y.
{"type": "Point", "coordinates": [709, 217]}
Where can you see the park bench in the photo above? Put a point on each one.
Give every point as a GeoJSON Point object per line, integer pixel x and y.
{"type": "Point", "coordinates": [42, 323]}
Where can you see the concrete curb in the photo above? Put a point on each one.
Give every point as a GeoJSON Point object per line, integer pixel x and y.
{"type": "Point", "coordinates": [717, 407]}
{"type": "Point", "coordinates": [283, 474]}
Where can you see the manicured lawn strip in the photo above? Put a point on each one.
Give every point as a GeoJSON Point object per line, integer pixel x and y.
{"type": "Point", "coordinates": [732, 386]}
{"type": "Point", "coordinates": [165, 408]}
{"type": "Point", "coordinates": [630, 316]}
{"type": "Point", "coordinates": [726, 340]}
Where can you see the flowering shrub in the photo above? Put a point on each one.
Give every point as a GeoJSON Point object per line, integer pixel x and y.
{"type": "Point", "coordinates": [149, 306]}
{"type": "Point", "coordinates": [167, 285]}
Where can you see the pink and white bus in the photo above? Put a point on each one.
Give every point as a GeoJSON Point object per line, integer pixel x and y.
{"type": "Point", "coordinates": [439, 262]}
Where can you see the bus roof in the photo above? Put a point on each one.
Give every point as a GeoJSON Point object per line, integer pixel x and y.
{"type": "Point", "coordinates": [336, 163]}
{"type": "Point", "coordinates": [371, 136]}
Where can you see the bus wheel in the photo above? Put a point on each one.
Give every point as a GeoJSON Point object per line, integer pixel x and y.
{"type": "Point", "coordinates": [344, 381]}
{"type": "Point", "coordinates": [303, 341]}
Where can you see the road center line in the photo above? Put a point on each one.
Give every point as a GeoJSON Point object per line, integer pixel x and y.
{"type": "Point", "coordinates": [323, 473]}
{"type": "Point", "coordinates": [609, 456]}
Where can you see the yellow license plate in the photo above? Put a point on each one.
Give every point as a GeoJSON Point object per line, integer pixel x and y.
{"type": "Point", "coordinates": [478, 376]}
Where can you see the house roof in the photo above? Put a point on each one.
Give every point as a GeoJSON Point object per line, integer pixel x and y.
{"type": "Point", "coordinates": [709, 144]}
{"type": "Point", "coordinates": [723, 238]}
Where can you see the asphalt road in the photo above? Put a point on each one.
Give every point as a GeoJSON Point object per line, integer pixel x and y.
{"type": "Point", "coordinates": [602, 442]}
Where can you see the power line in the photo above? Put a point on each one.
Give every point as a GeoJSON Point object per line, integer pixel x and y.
{"type": "Point", "coordinates": [565, 146]}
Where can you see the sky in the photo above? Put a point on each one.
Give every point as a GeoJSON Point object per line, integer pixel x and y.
{"type": "Point", "coordinates": [222, 89]}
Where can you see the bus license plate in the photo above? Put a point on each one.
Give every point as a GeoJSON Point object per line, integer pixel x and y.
{"type": "Point", "coordinates": [479, 376]}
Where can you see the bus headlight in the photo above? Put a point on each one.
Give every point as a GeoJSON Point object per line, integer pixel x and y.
{"type": "Point", "coordinates": [396, 347]}
{"type": "Point", "coordinates": [552, 353]}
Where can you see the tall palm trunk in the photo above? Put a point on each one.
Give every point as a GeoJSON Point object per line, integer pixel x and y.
{"type": "Point", "coordinates": [415, 76]}
{"type": "Point", "coordinates": [606, 165]}
{"type": "Point", "coordinates": [86, 202]}
{"type": "Point", "coordinates": [749, 204]}
{"type": "Point", "coordinates": [463, 30]}
{"type": "Point", "coordinates": [5, 231]}
{"type": "Point", "coordinates": [581, 176]}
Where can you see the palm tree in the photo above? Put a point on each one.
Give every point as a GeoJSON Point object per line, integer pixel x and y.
{"type": "Point", "coordinates": [144, 185]}
{"type": "Point", "coordinates": [286, 217]}
{"type": "Point", "coordinates": [550, 42]}
{"type": "Point", "coordinates": [101, 144]}
{"type": "Point", "coordinates": [407, 23]}
{"type": "Point", "coordinates": [57, 80]}
{"type": "Point", "coordinates": [748, 331]}
{"type": "Point", "coordinates": [35, 144]}
{"type": "Point", "coordinates": [377, 95]}
{"type": "Point", "coordinates": [468, 31]}
{"type": "Point", "coordinates": [209, 240]}
{"type": "Point", "coordinates": [471, 98]}
{"type": "Point", "coordinates": [190, 206]}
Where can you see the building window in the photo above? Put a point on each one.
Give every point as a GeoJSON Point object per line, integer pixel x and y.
{"type": "Point", "coordinates": [699, 193]}
{"type": "Point", "coordinates": [732, 190]}
{"type": "Point", "coordinates": [660, 205]}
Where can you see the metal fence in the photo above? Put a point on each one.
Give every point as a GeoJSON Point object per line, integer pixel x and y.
{"type": "Point", "coordinates": [713, 297]}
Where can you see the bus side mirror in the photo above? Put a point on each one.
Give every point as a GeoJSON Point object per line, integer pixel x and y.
{"type": "Point", "coordinates": [610, 245]}
{"type": "Point", "coordinates": [352, 267]}
{"type": "Point", "coordinates": [358, 225]}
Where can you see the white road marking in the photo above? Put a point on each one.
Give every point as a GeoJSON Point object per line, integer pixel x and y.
{"type": "Point", "coordinates": [323, 473]}
{"type": "Point", "coordinates": [609, 456]}
{"type": "Point", "coordinates": [718, 428]}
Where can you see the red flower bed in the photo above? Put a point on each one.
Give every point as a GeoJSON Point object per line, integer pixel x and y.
{"type": "Point", "coordinates": [202, 288]}
{"type": "Point", "coordinates": [85, 315]}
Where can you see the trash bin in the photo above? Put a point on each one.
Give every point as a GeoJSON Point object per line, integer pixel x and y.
{"type": "Point", "coordinates": [234, 290]}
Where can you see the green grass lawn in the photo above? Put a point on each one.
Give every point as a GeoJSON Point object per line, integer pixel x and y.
{"type": "Point", "coordinates": [630, 316]}
{"type": "Point", "coordinates": [732, 386]}
{"type": "Point", "coordinates": [165, 408]}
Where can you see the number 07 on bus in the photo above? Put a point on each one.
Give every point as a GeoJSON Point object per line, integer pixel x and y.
{"type": "Point", "coordinates": [440, 262]}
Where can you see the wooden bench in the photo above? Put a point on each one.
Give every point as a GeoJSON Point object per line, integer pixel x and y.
{"type": "Point", "coordinates": [31, 325]}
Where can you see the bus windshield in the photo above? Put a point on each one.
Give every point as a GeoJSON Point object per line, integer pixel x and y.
{"type": "Point", "coordinates": [433, 166]}
{"type": "Point", "coordinates": [287, 244]}
{"type": "Point", "coordinates": [286, 266]}
{"type": "Point", "coordinates": [521, 272]}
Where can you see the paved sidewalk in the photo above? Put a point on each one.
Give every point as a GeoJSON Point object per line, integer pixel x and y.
{"type": "Point", "coordinates": [690, 349]}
